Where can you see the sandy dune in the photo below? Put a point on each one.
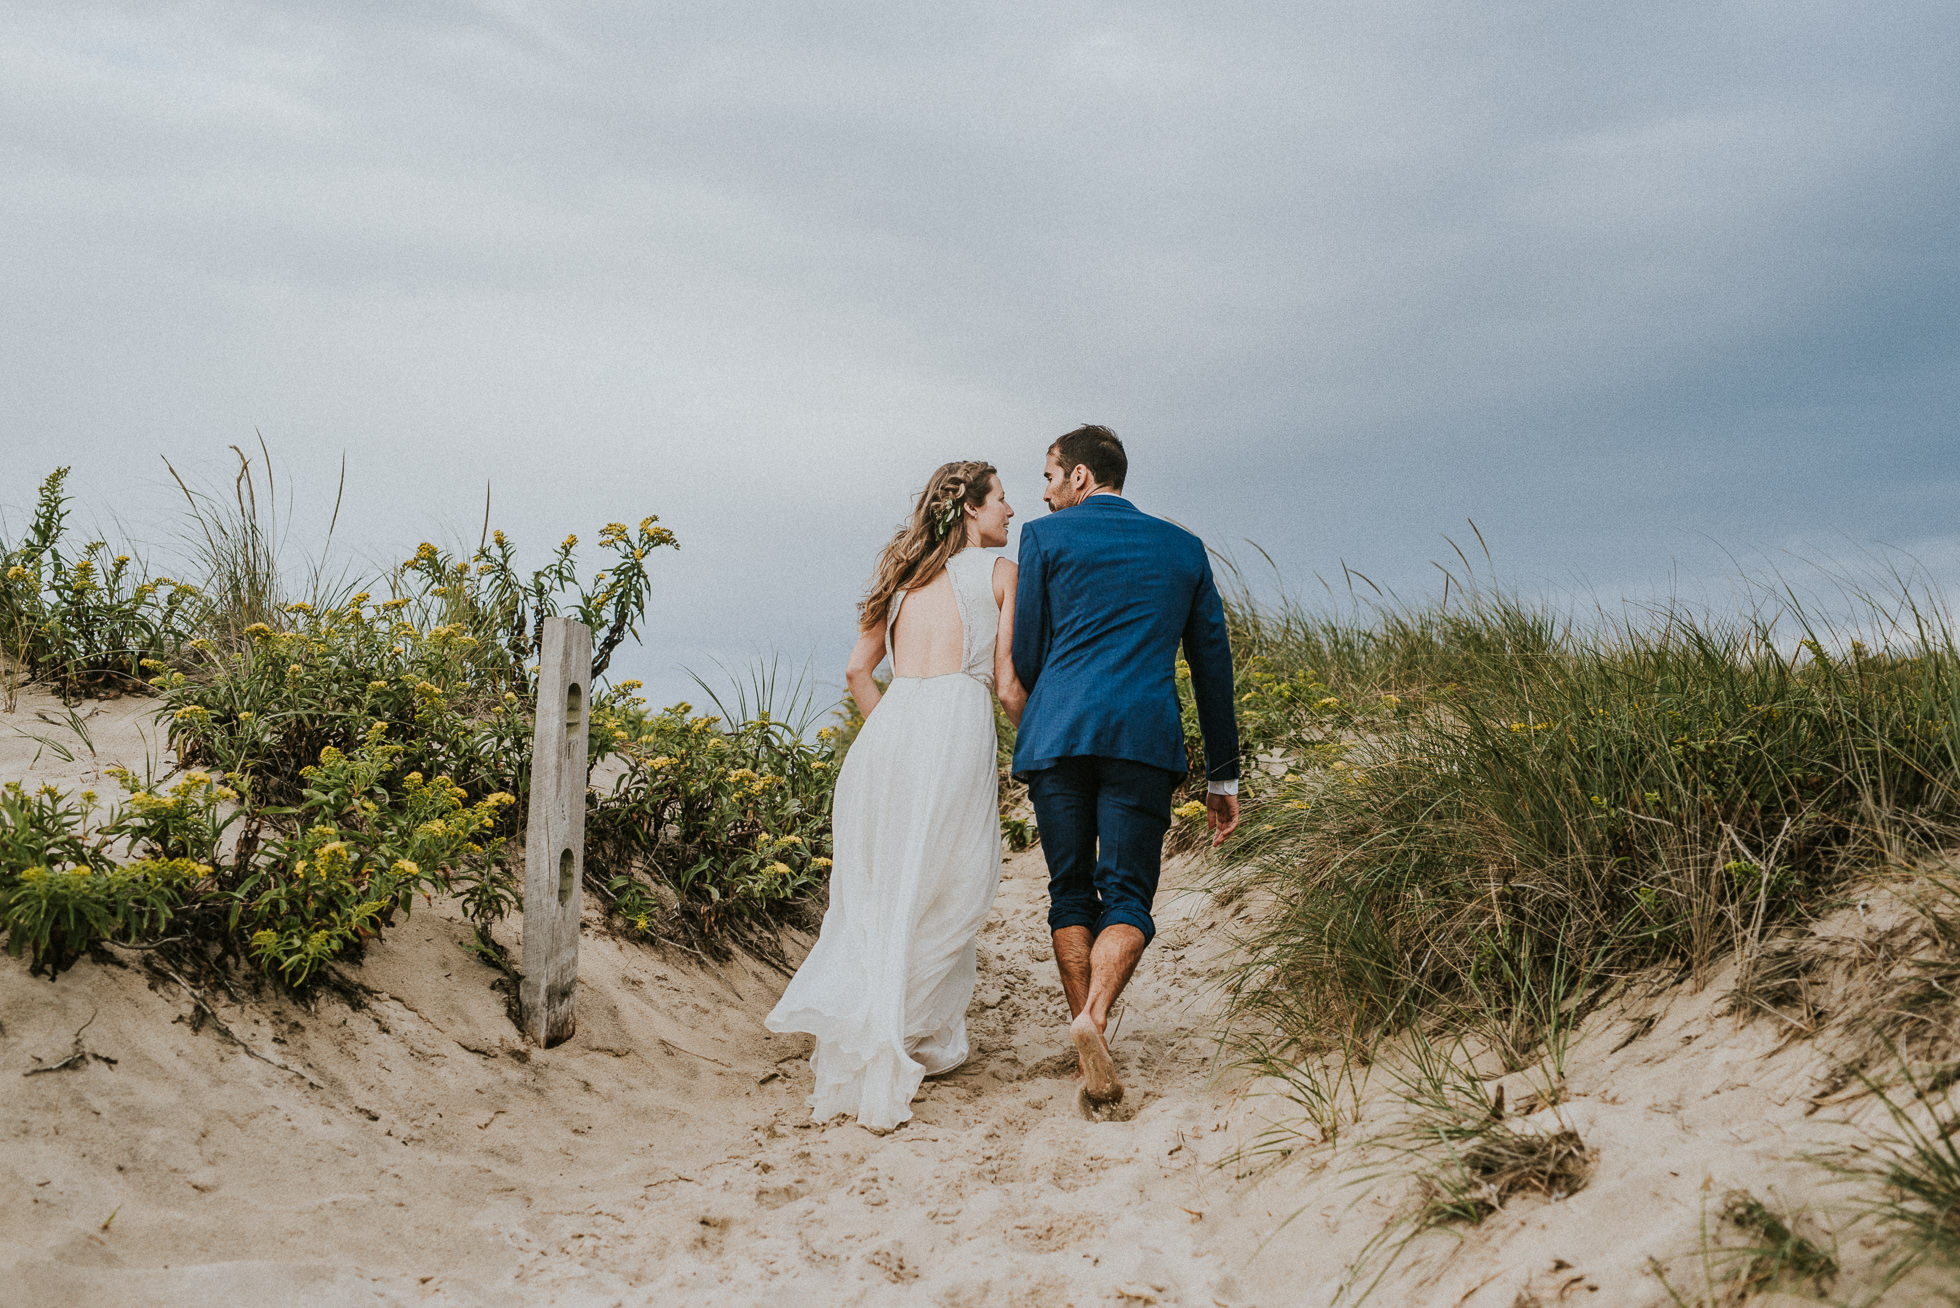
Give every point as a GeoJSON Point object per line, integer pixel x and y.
{"type": "Point", "coordinates": [396, 1141]}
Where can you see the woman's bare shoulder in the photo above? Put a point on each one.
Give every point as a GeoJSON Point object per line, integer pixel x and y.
{"type": "Point", "coordinates": [1006, 571]}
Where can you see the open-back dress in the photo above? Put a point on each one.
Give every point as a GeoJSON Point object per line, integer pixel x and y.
{"type": "Point", "coordinates": [916, 861]}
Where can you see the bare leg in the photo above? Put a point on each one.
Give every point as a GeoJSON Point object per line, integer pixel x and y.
{"type": "Point", "coordinates": [1112, 960]}
{"type": "Point", "coordinates": [1072, 955]}
{"type": "Point", "coordinates": [1111, 964]}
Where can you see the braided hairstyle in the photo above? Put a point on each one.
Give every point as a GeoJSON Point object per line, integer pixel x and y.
{"type": "Point", "coordinates": [934, 533]}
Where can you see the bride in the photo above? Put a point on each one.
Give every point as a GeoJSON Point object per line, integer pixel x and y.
{"type": "Point", "coordinates": [916, 816]}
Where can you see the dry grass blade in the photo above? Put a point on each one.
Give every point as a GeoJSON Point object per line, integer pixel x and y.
{"type": "Point", "coordinates": [1500, 1163]}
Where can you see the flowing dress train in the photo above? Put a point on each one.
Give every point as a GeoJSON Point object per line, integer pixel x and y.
{"type": "Point", "coordinates": [916, 862]}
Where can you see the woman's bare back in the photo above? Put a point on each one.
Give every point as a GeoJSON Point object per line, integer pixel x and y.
{"type": "Point", "coordinates": [927, 637]}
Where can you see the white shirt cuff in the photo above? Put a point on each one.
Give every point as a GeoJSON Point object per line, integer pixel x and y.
{"type": "Point", "coordinates": [1222, 787]}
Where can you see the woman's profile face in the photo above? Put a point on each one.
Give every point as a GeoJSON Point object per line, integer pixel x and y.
{"type": "Point", "coordinates": [992, 517]}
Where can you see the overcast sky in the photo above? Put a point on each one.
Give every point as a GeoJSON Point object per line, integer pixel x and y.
{"type": "Point", "coordinates": [1630, 285]}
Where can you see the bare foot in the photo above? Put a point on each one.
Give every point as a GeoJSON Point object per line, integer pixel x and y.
{"type": "Point", "coordinates": [1099, 1083]}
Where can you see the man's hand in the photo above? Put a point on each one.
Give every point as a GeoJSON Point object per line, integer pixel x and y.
{"type": "Point", "coordinates": [1222, 813]}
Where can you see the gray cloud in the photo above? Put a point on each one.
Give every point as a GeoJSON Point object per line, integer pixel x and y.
{"type": "Point", "coordinates": [1621, 284]}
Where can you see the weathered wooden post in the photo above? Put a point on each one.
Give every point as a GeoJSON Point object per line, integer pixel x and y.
{"type": "Point", "coordinates": [554, 843]}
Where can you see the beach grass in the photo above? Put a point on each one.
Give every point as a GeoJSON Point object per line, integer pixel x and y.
{"type": "Point", "coordinates": [1481, 810]}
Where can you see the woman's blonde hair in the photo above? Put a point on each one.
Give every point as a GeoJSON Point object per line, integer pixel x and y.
{"type": "Point", "coordinates": [934, 533]}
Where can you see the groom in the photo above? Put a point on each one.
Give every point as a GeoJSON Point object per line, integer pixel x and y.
{"type": "Point", "coordinates": [1106, 594]}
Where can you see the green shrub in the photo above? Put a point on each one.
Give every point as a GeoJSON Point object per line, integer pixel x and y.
{"type": "Point", "coordinates": [731, 820]}
{"type": "Point", "coordinates": [61, 890]}
{"type": "Point", "coordinates": [348, 754]}
{"type": "Point", "coordinates": [187, 820]}
{"type": "Point", "coordinates": [491, 598]}
{"type": "Point", "coordinates": [266, 711]}
{"type": "Point", "coordinates": [56, 915]}
{"type": "Point", "coordinates": [46, 828]}
{"type": "Point", "coordinates": [359, 851]}
{"type": "Point", "coordinates": [302, 885]}
{"type": "Point", "coordinates": [446, 663]}
{"type": "Point", "coordinates": [84, 620]}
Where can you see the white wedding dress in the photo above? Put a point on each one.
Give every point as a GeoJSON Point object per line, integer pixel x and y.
{"type": "Point", "coordinates": [916, 850]}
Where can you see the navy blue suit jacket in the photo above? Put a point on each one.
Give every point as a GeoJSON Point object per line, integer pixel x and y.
{"type": "Point", "coordinates": [1105, 595]}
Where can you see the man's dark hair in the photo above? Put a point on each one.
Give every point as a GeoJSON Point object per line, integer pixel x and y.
{"type": "Point", "coordinates": [1097, 449]}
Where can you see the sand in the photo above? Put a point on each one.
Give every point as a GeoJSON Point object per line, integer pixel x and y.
{"type": "Point", "coordinates": [396, 1140]}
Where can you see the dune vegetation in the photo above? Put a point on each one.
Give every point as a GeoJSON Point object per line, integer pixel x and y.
{"type": "Point", "coordinates": [363, 743]}
{"type": "Point", "coordinates": [1473, 821]}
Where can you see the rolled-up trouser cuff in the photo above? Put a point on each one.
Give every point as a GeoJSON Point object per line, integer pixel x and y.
{"type": "Point", "coordinates": [1128, 917]}
{"type": "Point", "coordinates": [1062, 916]}
{"type": "Point", "coordinates": [1068, 915]}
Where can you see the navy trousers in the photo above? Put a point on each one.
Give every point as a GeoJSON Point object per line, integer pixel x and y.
{"type": "Point", "coordinates": [1102, 824]}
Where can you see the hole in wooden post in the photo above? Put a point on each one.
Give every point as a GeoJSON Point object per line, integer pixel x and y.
{"type": "Point", "coordinates": [574, 703]}
{"type": "Point", "coordinates": [565, 877]}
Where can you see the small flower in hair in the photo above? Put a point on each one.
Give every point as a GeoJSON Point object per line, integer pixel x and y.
{"type": "Point", "coordinates": [943, 520]}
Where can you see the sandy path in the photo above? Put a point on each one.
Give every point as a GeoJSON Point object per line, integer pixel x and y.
{"type": "Point", "coordinates": [996, 1192]}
